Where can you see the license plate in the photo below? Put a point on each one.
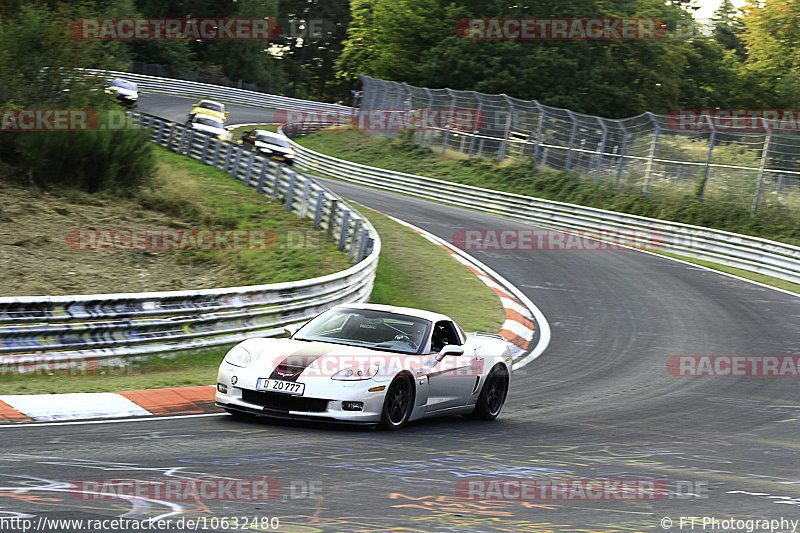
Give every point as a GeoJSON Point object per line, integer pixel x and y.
{"type": "Point", "coordinates": [275, 385]}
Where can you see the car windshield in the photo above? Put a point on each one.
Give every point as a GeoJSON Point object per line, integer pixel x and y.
{"type": "Point", "coordinates": [211, 106]}
{"type": "Point", "coordinates": [271, 138]}
{"type": "Point", "coordinates": [368, 328]}
{"type": "Point", "coordinates": [206, 121]}
{"type": "Point", "coordinates": [123, 84]}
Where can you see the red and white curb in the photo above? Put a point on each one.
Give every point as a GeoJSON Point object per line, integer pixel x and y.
{"type": "Point", "coordinates": [523, 318]}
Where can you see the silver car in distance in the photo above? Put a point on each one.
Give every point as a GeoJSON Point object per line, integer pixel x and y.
{"type": "Point", "coordinates": [368, 364]}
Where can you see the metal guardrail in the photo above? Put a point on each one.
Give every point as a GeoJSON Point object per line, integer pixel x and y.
{"type": "Point", "coordinates": [109, 327]}
{"type": "Point", "coordinates": [731, 249]}
{"type": "Point", "coordinates": [218, 92]}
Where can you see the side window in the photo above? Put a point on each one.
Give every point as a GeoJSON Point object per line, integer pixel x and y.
{"type": "Point", "coordinates": [444, 333]}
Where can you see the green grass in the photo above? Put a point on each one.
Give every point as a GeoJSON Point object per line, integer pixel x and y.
{"type": "Point", "coordinates": [403, 155]}
{"type": "Point", "coordinates": [208, 198]}
{"type": "Point", "coordinates": [412, 272]}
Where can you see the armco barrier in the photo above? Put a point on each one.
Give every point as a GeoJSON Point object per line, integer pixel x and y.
{"type": "Point", "coordinates": [740, 251]}
{"type": "Point", "coordinates": [112, 326]}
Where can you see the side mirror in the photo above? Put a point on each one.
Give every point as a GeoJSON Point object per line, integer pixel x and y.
{"type": "Point", "coordinates": [449, 349]}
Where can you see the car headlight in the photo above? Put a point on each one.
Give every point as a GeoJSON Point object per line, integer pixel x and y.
{"type": "Point", "coordinates": [238, 356]}
{"type": "Point", "coordinates": [222, 136]}
{"type": "Point", "coordinates": [108, 91]}
{"type": "Point", "coordinates": [356, 373]}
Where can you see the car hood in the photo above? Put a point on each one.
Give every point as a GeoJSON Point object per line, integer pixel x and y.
{"type": "Point", "coordinates": [289, 359]}
{"type": "Point", "coordinates": [209, 129]}
{"type": "Point", "coordinates": [273, 147]}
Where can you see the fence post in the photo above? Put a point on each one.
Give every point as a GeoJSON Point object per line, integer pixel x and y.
{"type": "Point", "coordinates": [501, 154]}
{"type": "Point", "coordinates": [764, 156]}
{"type": "Point", "coordinates": [622, 151]}
{"type": "Point", "coordinates": [568, 162]}
{"type": "Point", "coordinates": [452, 112]}
{"type": "Point", "coordinates": [602, 149]}
{"type": "Point", "coordinates": [356, 237]}
{"type": "Point", "coordinates": [539, 131]}
{"type": "Point", "coordinates": [473, 130]}
{"type": "Point", "coordinates": [701, 189]}
{"type": "Point", "coordinates": [431, 134]}
{"type": "Point", "coordinates": [649, 168]}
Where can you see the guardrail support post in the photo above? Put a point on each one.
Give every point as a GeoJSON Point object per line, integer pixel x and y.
{"type": "Point", "coordinates": [262, 175]}
{"type": "Point", "coordinates": [343, 233]}
{"type": "Point", "coordinates": [216, 153]}
{"type": "Point", "coordinates": [351, 254]}
{"type": "Point", "coordinates": [235, 169]}
{"type": "Point", "coordinates": [318, 208]}
{"type": "Point", "coordinates": [290, 191]}
{"type": "Point", "coordinates": [249, 170]}
{"type": "Point", "coordinates": [276, 181]}
{"type": "Point", "coordinates": [331, 219]}
{"type": "Point", "coordinates": [190, 143]}
{"type": "Point", "coordinates": [304, 201]}
{"type": "Point", "coordinates": [362, 244]}
{"type": "Point", "coordinates": [227, 162]}
{"type": "Point", "coordinates": [204, 155]}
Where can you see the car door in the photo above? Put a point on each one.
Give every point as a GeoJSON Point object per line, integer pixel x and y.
{"type": "Point", "coordinates": [451, 380]}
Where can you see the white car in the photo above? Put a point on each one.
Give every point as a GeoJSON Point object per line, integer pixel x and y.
{"type": "Point", "coordinates": [209, 124]}
{"type": "Point", "coordinates": [269, 143]}
{"type": "Point", "coordinates": [126, 92]}
{"type": "Point", "coordinates": [368, 364]}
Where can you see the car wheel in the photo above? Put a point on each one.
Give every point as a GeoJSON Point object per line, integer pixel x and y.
{"type": "Point", "coordinates": [397, 403]}
{"type": "Point", "coordinates": [240, 415]}
{"type": "Point", "coordinates": [493, 395]}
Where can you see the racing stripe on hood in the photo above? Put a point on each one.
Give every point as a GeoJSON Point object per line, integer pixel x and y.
{"type": "Point", "coordinates": [291, 367]}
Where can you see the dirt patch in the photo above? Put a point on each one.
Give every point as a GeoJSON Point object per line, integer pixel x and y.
{"type": "Point", "coordinates": [36, 260]}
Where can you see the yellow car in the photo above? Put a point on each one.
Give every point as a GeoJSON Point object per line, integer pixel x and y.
{"type": "Point", "coordinates": [210, 108]}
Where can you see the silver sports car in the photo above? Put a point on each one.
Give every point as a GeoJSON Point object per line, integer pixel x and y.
{"type": "Point", "coordinates": [368, 364]}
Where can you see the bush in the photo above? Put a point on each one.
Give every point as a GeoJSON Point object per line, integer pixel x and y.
{"type": "Point", "coordinates": [91, 161]}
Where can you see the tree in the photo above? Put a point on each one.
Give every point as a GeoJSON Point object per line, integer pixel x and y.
{"type": "Point", "coordinates": [727, 24]}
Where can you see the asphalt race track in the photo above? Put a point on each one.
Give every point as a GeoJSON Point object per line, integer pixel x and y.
{"type": "Point", "coordinates": [598, 404]}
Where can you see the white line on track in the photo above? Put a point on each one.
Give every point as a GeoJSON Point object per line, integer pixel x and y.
{"type": "Point", "coordinates": [113, 421]}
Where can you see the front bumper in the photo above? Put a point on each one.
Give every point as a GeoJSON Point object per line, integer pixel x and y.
{"type": "Point", "coordinates": [322, 399]}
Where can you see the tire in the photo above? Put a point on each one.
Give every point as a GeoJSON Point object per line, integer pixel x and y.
{"type": "Point", "coordinates": [493, 395]}
{"type": "Point", "coordinates": [398, 403]}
